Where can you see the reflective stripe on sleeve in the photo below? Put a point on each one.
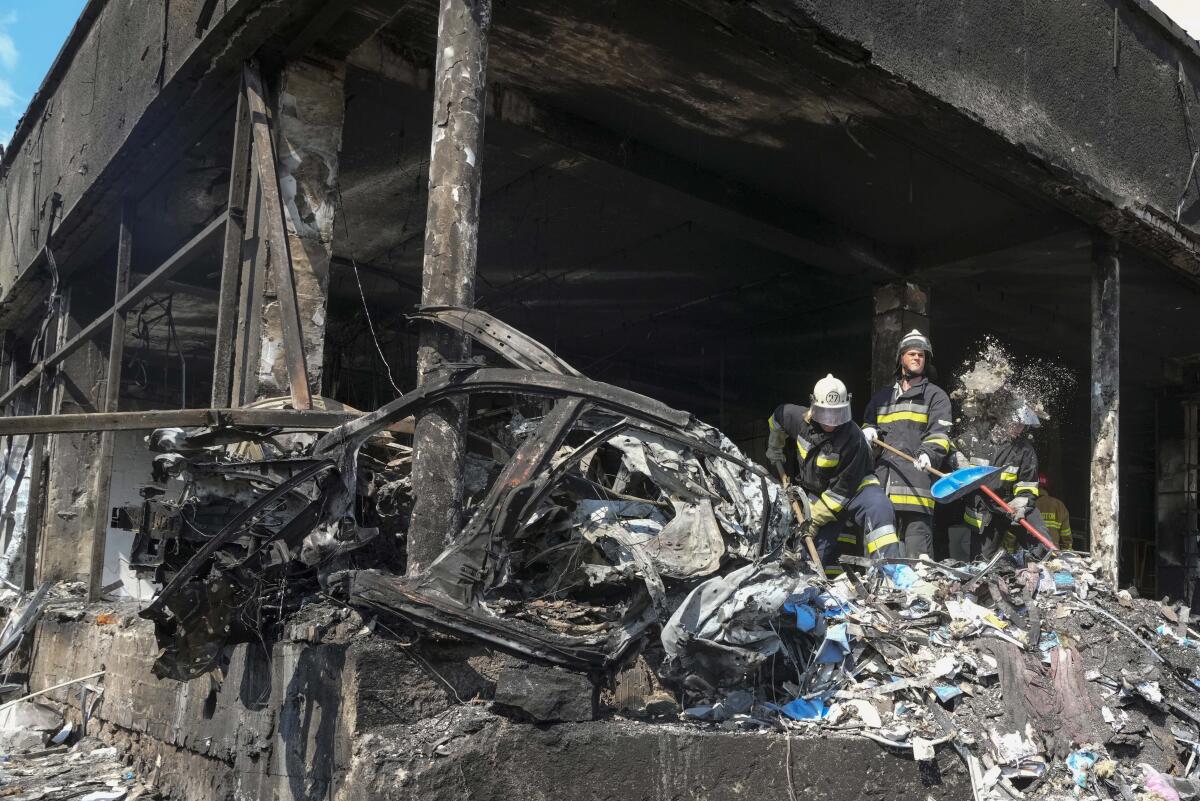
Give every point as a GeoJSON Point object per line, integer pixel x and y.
{"type": "Point", "coordinates": [881, 538]}
{"type": "Point", "coordinates": [833, 500]}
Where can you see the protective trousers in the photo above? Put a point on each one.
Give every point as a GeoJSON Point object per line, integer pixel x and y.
{"type": "Point", "coordinates": [916, 529]}
{"type": "Point", "coordinates": [870, 513]}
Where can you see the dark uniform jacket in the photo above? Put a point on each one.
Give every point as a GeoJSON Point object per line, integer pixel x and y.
{"type": "Point", "coordinates": [916, 421]}
{"type": "Point", "coordinates": [1018, 465]}
{"type": "Point", "coordinates": [832, 465]}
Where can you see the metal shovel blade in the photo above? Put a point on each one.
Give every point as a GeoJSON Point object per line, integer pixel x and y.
{"type": "Point", "coordinates": [964, 481]}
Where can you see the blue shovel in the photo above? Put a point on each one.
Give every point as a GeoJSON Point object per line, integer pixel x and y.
{"type": "Point", "coordinates": [965, 480]}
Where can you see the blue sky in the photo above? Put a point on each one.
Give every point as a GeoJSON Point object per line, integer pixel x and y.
{"type": "Point", "coordinates": [31, 32]}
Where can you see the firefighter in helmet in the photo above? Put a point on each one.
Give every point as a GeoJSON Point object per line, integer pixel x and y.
{"type": "Point", "coordinates": [914, 416]}
{"type": "Point", "coordinates": [834, 471]}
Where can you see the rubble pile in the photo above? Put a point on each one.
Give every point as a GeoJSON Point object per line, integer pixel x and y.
{"type": "Point", "coordinates": [45, 758]}
{"type": "Point", "coordinates": [1044, 681]}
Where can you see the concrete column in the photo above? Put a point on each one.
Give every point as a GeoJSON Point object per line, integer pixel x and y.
{"type": "Point", "coordinates": [448, 274]}
{"type": "Point", "coordinates": [899, 308]}
{"type": "Point", "coordinates": [70, 510]}
{"type": "Point", "coordinates": [308, 137]}
{"type": "Point", "coordinates": [1106, 397]}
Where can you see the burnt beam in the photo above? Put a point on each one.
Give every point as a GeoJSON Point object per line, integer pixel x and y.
{"type": "Point", "coordinates": [275, 234]}
{"type": "Point", "coordinates": [899, 308]}
{"type": "Point", "coordinates": [1104, 513]}
{"type": "Point", "coordinates": [231, 256]}
{"type": "Point", "coordinates": [448, 270]}
{"type": "Point", "coordinates": [108, 403]}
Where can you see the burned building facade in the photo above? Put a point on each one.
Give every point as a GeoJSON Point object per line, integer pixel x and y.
{"type": "Point", "coordinates": [258, 215]}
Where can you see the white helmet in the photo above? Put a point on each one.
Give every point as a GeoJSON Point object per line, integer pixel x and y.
{"type": "Point", "coordinates": [830, 402]}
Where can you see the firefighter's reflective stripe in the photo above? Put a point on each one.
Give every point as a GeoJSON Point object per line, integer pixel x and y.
{"type": "Point", "coordinates": [832, 571]}
{"type": "Point", "coordinates": [906, 497]}
{"type": "Point", "coordinates": [803, 446]}
{"type": "Point", "coordinates": [1061, 529]}
{"type": "Point", "coordinates": [827, 461]}
{"type": "Point", "coordinates": [869, 481]}
{"type": "Point", "coordinates": [916, 417]}
{"type": "Point", "coordinates": [904, 410]}
{"type": "Point", "coordinates": [881, 537]}
{"type": "Point", "coordinates": [1030, 487]}
{"type": "Point", "coordinates": [912, 500]}
{"type": "Point", "coordinates": [941, 442]}
{"type": "Point", "coordinates": [971, 519]}
{"type": "Point", "coordinates": [847, 539]}
{"type": "Point", "coordinates": [1008, 474]}
{"type": "Point", "coordinates": [833, 500]}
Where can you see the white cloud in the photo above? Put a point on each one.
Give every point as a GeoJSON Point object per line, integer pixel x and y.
{"type": "Point", "coordinates": [9, 54]}
{"type": "Point", "coordinates": [8, 95]}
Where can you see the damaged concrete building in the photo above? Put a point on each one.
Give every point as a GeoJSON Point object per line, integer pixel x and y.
{"type": "Point", "coordinates": [295, 259]}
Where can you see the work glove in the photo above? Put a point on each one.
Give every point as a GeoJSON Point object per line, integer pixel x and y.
{"type": "Point", "coordinates": [870, 434]}
{"type": "Point", "coordinates": [1020, 507]}
{"type": "Point", "coordinates": [922, 462]}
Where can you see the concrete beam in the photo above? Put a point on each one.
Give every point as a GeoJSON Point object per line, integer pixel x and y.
{"type": "Point", "coordinates": [1062, 140]}
{"type": "Point", "coordinates": [1106, 400]}
{"type": "Point", "coordinates": [448, 272]}
{"type": "Point", "coordinates": [899, 308]}
{"type": "Point", "coordinates": [660, 179]}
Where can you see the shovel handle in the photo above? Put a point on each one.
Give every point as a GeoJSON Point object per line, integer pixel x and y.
{"type": "Point", "coordinates": [904, 455]}
{"type": "Point", "coordinates": [988, 491]}
{"type": "Point", "coordinates": [813, 556]}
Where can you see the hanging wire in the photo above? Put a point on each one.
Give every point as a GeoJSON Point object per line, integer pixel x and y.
{"type": "Point", "coordinates": [341, 211]}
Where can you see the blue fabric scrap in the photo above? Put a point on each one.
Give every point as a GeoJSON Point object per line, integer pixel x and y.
{"type": "Point", "coordinates": [946, 692]}
{"type": "Point", "coordinates": [1079, 763]}
{"type": "Point", "coordinates": [836, 645]}
{"type": "Point", "coordinates": [805, 709]}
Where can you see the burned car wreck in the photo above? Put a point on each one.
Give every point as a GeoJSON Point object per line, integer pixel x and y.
{"type": "Point", "coordinates": [581, 492]}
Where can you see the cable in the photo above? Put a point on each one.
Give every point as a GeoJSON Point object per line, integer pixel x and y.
{"type": "Point", "coordinates": [361, 294]}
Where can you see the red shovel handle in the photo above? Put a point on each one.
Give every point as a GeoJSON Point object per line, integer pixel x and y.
{"type": "Point", "coordinates": [988, 491]}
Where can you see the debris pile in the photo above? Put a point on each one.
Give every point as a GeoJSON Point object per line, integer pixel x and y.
{"type": "Point", "coordinates": [627, 542]}
{"type": "Point", "coordinates": [1044, 681]}
{"type": "Point", "coordinates": [45, 758]}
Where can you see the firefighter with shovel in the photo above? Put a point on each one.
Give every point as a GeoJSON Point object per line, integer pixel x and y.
{"type": "Point", "coordinates": [835, 473]}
